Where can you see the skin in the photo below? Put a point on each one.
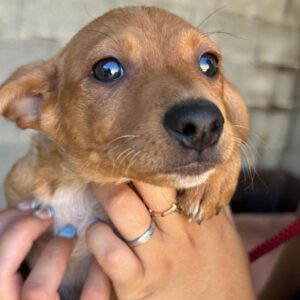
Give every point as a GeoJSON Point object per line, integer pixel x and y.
{"type": "Point", "coordinates": [180, 261]}
{"type": "Point", "coordinates": [285, 277]}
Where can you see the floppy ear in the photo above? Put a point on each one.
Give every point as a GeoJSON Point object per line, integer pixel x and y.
{"type": "Point", "coordinates": [23, 94]}
{"type": "Point", "coordinates": [237, 111]}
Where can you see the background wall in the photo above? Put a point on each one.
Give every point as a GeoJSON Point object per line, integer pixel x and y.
{"type": "Point", "coordinates": [260, 40]}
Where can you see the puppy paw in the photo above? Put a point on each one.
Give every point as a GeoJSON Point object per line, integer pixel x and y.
{"type": "Point", "coordinates": [203, 202]}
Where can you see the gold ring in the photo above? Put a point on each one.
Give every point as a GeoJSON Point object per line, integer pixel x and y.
{"type": "Point", "coordinates": [174, 208]}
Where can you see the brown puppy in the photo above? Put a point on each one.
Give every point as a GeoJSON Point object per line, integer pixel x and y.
{"type": "Point", "coordinates": [137, 94]}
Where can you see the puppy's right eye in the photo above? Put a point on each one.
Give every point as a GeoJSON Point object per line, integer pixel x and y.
{"type": "Point", "coordinates": [108, 70]}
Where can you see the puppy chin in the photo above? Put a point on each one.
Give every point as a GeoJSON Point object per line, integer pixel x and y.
{"type": "Point", "coordinates": [184, 181]}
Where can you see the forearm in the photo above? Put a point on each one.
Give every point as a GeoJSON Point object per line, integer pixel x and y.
{"type": "Point", "coordinates": [285, 278]}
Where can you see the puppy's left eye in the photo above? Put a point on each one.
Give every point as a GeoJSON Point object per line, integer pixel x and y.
{"type": "Point", "coordinates": [108, 70]}
{"type": "Point", "coordinates": [208, 64]}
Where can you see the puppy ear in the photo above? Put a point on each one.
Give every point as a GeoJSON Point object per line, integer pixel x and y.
{"type": "Point", "coordinates": [23, 94]}
{"type": "Point", "coordinates": [237, 111]}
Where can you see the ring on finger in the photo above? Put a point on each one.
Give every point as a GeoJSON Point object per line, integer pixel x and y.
{"type": "Point", "coordinates": [174, 208]}
{"type": "Point", "coordinates": [142, 239]}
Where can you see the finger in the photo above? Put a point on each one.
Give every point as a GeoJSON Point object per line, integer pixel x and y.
{"type": "Point", "coordinates": [97, 285]}
{"type": "Point", "coordinates": [160, 199]}
{"type": "Point", "coordinates": [116, 259]}
{"type": "Point", "coordinates": [17, 240]}
{"type": "Point", "coordinates": [9, 216]}
{"type": "Point", "coordinates": [47, 273]}
{"type": "Point", "coordinates": [10, 289]}
{"type": "Point", "coordinates": [127, 212]}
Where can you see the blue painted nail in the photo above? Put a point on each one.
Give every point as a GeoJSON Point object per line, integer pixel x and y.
{"type": "Point", "coordinates": [94, 219]}
{"type": "Point", "coordinates": [69, 231]}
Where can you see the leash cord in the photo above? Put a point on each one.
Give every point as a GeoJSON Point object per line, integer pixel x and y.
{"type": "Point", "coordinates": [276, 240]}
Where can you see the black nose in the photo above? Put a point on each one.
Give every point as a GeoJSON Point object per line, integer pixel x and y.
{"type": "Point", "coordinates": [196, 124]}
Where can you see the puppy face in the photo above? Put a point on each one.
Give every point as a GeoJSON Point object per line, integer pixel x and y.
{"type": "Point", "coordinates": [137, 94]}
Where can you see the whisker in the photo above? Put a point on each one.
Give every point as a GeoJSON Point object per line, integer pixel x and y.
{"type": "Point", "coordinates": [213, 13]}
{"type": "Point", "coordinates": [115, 150]}
{"type": "Point", "coordinates": [245, 169]}
{"type": "Point", "coordinates": [95, 19]}
{"type": "Point", "coordinates": [209, 33]}
{"type": "Point", "coordinates": [242, 150]}
{"type": "Point", "coordinates": [133, 160]}
{"type": "Point", "coordinates": [250, 167]}
{"type": "Point", "coordinates": [122, 137]}
{"type": "Point", "coordinates": [249, 157]}
{"type": "Point", "coordinates": [251, 148]}
{"type": "Point", "coordinates": [103, 33]}
{"type": "Point", "coordinates": [123, 153]}
{"type": "Point", "coordinates": [115, 160]}
{"type": "Point", "coordinates": [241, 126]}
{"type": "Point", "coordinates": [255, 134]}
{"type": "Point", "coordinates": [127, 154]}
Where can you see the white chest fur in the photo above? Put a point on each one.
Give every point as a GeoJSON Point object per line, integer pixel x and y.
{"type": "Point", "coordinates": [74, 205]}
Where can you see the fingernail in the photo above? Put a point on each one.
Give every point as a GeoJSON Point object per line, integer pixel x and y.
{"type": "Point", "coordinates": [69, 231]}
{"type": "Point", "coordinates": [199, 222]}
{"type": "Point", "coordinates": [45, 213]}
{"type": "Point", "coordinates": [28, 205]}
{"type": "Point", "coordinates": [94, 219]}
{"type": "Point", "coordinates": [218, 210]}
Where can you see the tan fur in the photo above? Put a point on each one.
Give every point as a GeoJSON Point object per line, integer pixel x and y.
{"type": "Point", "coordinates": [112, 133]}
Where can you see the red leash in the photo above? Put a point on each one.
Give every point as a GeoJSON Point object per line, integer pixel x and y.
{"type": "Point", "coordinates": [276, 240]}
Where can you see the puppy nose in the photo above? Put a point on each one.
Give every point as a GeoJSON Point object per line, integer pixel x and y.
{"type": "Point", "coordinates": [196, 124]}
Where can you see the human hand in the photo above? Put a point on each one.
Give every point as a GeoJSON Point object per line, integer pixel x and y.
{"type": "Point", "coordinates": [181, 260]}
{"type": "Point", "coordinates": [19, 228]}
